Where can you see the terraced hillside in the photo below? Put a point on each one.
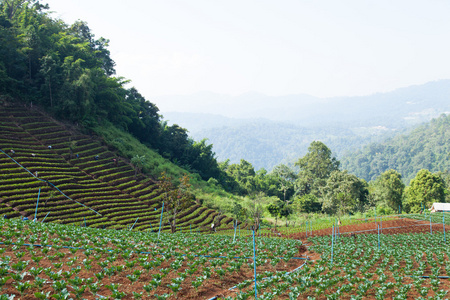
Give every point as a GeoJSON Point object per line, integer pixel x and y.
{"type": "Point", "coordinates": [109, 187]}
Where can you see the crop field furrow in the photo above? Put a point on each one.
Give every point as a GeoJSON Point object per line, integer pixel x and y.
{"type": "Point", "coordinates": [107, 170]}
{"type": "Point", "coordinates": [101, 183]}
{"type": "Point", "coordinates": [145, 191]}
{"type": "Point", "coordinates": [124, 212]}
{"type": "Point", "coordinates": [42, 131]}
{"type": "Point", "coordinates": [41, 124]}
{"type": "Point", "coordinates": [18, 139]}
{"type": "Point", "coordinates": [90, 152]}
{"type": "Point", "coordinates": [120, 207]}
{"type": "Point", "coordinates": [144, 262]}
{"type": "Point", "coordinates": [129, 186]}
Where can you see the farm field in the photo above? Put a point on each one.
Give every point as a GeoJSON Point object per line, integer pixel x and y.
{"type": "Point", "coordinates": [103, 191]}
{"type": "Point", "coordinates": [90, 263]}
{"type": "Point", "coordinates": [95, 263]}
{"type": "Point", "coordinates": [388, 225]}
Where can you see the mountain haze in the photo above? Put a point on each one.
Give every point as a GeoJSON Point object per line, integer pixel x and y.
{"type": "Point", "coordinates": [269, 130]}
{"type": "Point", "coordinates": [401, 107]}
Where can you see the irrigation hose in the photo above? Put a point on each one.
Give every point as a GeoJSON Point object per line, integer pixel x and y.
{"type": "Point", "coordinates": [46, 181]}
{"type": "Point", "coordinates": [265, 278]}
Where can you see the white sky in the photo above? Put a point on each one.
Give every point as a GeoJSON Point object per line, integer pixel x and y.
{"type": "Point", "coordinates": [319, 47]}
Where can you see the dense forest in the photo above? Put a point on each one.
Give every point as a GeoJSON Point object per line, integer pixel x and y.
{"type": "Point", "coordinates": [426, 147]}
{"type": "Point", "coordinates": [68, 72]}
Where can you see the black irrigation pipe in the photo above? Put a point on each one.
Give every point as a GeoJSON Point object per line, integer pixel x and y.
{"type": "Point", "coordinates": [143, 252]}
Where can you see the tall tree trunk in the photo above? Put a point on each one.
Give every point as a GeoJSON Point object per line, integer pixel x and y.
{"type": "Point", "coordinates": [173, 224]}
{"type": "Point", "coordinates": [29, 66]}
{"type": "Point", "coordinates": [50, 90]}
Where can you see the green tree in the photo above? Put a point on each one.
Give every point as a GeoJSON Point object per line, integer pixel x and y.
{"type": "Point", "coordinates": [51, 195]}
{"type": "Point", "coordinates": [175, 198]}
{"type": "Point", "coordinates": [138, 163]}
{"type": "Point", "coordinates": [286, 178]}
{"type": "Point", "coordinates": [238, 211]}
{"type": "Point", "coordinates": [446, 179]}
{"type": "Point", "coordinates": [315, 167]}
{"type": "Point", "coordinates": [307, 204]}
{"type": "Point", "coordinates": [48, 70]}
{"type": "Point", "coordinates": [426, 188]}
{"type": "Point", "coordinates": [389, 188]}
{"type": "Point", "coordinates": [344, 193]}
{"type": "Point", "coordinates": [244, 174]}
{"type": "Point", "coordinates": [200, 158]}
{"type": "Point", "coordinates": [286, 211]}
{"type": "Point", "coordinates": [12, 8]}
{"type": "Point", "coordinates": [274, 211]}
{"type": "Point", "coordinates": [255, 210]}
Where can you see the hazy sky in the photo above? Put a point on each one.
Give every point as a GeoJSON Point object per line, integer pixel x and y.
{"type": "Point", "coordinates": [318, 47]}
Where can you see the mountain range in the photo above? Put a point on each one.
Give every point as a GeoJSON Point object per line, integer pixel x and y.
{"type": "Point", "coordinates": [267, 130]}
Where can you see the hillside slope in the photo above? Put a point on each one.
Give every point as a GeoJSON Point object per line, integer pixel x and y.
{"type": "Point", "coordinates": [426, 147]}
{"type": "Point", "coordinates": [102, 185]}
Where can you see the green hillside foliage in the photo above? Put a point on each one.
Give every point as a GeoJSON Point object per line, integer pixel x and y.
{"type": "Point", "coordinates": [211, 193]}
{"type": "Point", "coordinates": [68, 71]}
{"type": "Point", "coordinates": [266, 143]}
{"type": "Point", "coordinates": [128, 146]}
{"type": "Point", "coordinates": [426, 147]}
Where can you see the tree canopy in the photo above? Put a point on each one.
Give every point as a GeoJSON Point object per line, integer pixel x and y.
{"type": "Point", "coordinates": [69, 72]}
{"type": "Point", "coordinates": [425, 189]}
{"type": "Point", "coordinates": [344, 193]}
{"type": "Point", "coordinates": [388, 189]}
{"type": "Point", "coordinates": [315, 167]}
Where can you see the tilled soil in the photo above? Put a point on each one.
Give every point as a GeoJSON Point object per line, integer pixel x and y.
{"type": "Point", "coordinates": [395, 226]}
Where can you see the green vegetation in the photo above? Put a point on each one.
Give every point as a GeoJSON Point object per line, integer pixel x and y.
{"type": "Point", "coordinates": [187, 265]}
{"type": "Point", "coordinates": [388, 189]}
{"type": "Point", "coordinates": [319, 185]}
{"type": "Point", "coordinates": [100, 188]}
{"type": "Point", "coordinates": [68, 72]}
{"type": "Point", "coordinates": [151, 264]}
{"type": "Point", "coordinates": [426, 147]}
{"type": "Point", "coordinates": [425, 189]}
{"type": "Point", "coordinates": [128, 147]}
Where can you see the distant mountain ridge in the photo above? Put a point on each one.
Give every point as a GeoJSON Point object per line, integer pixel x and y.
{"type": "Point", "coordinates": [269, 130]}
{"type": "Point", "coordinates": [426, 147]}
{"type": "Point", "coordinates": [402, 107]}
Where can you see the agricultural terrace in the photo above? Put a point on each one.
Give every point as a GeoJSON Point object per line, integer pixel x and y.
{"type": "Point", "coordinates": [100, 193]}
{"type": "Point", "coordinates": [40, 260]}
